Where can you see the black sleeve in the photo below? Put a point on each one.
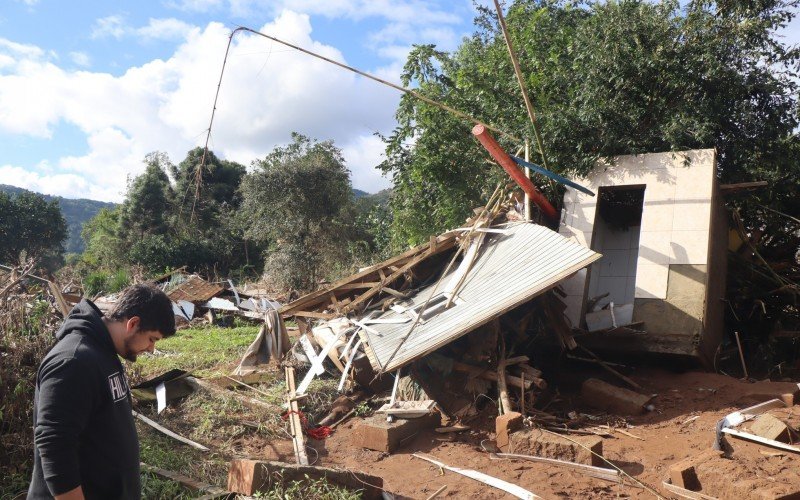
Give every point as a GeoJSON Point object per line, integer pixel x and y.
{"type": "Point", "coordinates": [66, 394]}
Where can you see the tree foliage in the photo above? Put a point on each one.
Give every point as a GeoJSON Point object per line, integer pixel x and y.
{"type": "Point", "coordinates": [31, 225]}
{"type": "Point", "coordinates": [606, 78]}
{"type": "Point", "coordinates": [293, 201]}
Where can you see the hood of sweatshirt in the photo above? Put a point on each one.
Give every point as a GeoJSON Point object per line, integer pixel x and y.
{"type": "Point", "coordinates": [87, 319]}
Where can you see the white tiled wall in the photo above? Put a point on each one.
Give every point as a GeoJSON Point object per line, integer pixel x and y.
{"type": "Point", "coordinates": [675, 219]}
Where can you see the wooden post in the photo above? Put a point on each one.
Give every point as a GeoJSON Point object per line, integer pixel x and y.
{"type": "Point", "coordinates": [298, 440]}
{"type": "Point", "coordinates": [741, 353]}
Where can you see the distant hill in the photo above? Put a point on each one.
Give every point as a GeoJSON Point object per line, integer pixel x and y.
{"type": "Point", "coordinates": [75, 211]}
{"type": "Point", "coordinates": [78, 211]}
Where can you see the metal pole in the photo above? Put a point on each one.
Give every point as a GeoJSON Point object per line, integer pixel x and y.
{"type": "Point", "coordinates": [528, 214]}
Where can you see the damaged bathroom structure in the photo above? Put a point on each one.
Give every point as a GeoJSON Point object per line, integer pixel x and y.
{"type": "Point", "coordinates": [660, 223]}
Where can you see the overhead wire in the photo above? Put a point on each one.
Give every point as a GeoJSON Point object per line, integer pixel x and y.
{"type": "Point", "coordinates": [413, 93]}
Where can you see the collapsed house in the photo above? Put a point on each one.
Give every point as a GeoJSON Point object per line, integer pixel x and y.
{"type": "Point", "coordinates": [660, 224]}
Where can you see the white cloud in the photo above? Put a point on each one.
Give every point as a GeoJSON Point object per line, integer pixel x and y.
{"type": "Point", "coordinates": [110, 26]}
{"type": "Point", "coordinates": [196, 5]}
{"type": "Point", "coordinates": [20, 49]}
{"type": "Point", "coordinates": [81, 59]}
{"type": "Point", "coordinates": [29, 3]}
{"type": "Point", "coordinates": [267, 92]}
{"type": "Point", "coordinates": [165, 29]}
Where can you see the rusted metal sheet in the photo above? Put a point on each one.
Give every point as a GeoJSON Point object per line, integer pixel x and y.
{"type": "Point", "coordinates": [195, 289]}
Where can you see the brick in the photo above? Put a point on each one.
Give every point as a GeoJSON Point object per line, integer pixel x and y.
{"type": "Point", "coordinates": [683, 472]}
{"type": "Point", "coordinates": [613, 399]}
{"type": "Point", "coordinates": [375, 433]}
{"type": "Point", "coordinates": [545, 444]}
{"type": "Point", "coordinates": [684, 475]}
{"type": "Point", "coordinates": [246, 476]}
{"type": "Point", "coordinates": [504, 425]}
{"type": "Point", "coordinates": [770, 427]}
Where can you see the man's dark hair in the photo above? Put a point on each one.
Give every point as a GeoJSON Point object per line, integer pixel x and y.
{"type": "Point", "coordinates": [150, 304]}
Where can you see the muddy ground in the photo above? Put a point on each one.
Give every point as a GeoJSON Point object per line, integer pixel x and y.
{"type": "Point", "coordinates": [657, 439]}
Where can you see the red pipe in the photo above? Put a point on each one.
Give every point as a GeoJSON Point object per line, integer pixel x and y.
{"type": "Point", "coordinates": [509, 166]}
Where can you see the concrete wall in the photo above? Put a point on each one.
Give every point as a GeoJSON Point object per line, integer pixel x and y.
{"type": "Point", "coordinates": [674, 246]}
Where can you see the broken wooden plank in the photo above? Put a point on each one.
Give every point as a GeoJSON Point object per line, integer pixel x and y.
{"type": "Point", "coordinates": [443, 242]}
{"type": "Point", "coordinates": [607, 368]}
{"type": "Point", "coordinates": [169, 433]}
{"type": "Point", "coordinates": [510, 488]}
{"type": "Point", "coordinates": [684, 493]}
{"type": "Point", "coordinates": [62, 304]}
{"type": "Point", "coordinates": [492, 375]}
{"type": "Point", "coordinates": [298, 440]}
{"type": "Point", "coordinates": [396, 274]}
{"type": "Point", "coordinates": [210, 490]}
{"type": "Point", "coordinates": [590, 470]}
{"type": "Point", "coordinates": [315, 315]}
{"type": "Point", "coordinates": [730, 188]}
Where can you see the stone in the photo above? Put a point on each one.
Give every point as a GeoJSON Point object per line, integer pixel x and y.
{"type": "Point", "coordinates": [769, 427]}
{"type": "Point", "coordinates": [545, 444]}
{"type": "Point", "coordinates": [504, 425]}
{"type": "Point", "coordinates": [375, 433]}
{"type": "Point", "coordinates": [613, 399]}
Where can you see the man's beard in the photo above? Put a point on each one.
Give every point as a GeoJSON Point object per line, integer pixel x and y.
{"type": "Point", "coordinates": [129, 355]}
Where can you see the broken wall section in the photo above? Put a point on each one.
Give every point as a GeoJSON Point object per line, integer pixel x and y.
{"type": "Point", "coordinates": [678, 249]}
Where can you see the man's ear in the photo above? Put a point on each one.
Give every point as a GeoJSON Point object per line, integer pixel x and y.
{"type": "Point", "coordinates": [132, 325]}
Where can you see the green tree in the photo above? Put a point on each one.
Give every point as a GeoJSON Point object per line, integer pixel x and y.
{"type": "Point", "coordinates": [30, 224]}
{"type": "Point", "coordinates": [103, 247]}
{"type": "Point", "coordinates": [607, 78]}
{"type": "Point", "coordinates": [218, 190]}
{"type": "Point", "coordinates": [146, 208]}
{"type": "Point", "coordinates": [293, 202]}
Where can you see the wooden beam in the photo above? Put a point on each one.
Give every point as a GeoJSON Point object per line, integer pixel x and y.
{"type": "Point", "coordinates": [741, 186]}
{"type": "Point", "coordinates": [389, 279]}
{"type": "Point", "coordinates": [211, 491]}
{"type": "Point", "coordinates": [315, 315]}
{"type": "Point", "coordinates": [298, 440]}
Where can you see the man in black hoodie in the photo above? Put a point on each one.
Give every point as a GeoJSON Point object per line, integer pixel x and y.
{"type": "Point", "coordinates": [85, 443]}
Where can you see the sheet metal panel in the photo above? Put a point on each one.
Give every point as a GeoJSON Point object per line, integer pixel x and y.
{"type": "Point", "coordinates": [510, 270]}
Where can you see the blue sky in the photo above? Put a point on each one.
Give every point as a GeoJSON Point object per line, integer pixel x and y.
{"type": "Point", "coordinates": [88, 88]}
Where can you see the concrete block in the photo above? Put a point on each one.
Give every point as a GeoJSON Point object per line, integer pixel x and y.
{"type": "Point", "coordinates": [545, 444]}
{"type": "Point", "coordinates": [375, 433]}
{"type": "Point", "coordinates": [505, 425]}
{"type": "Point", "coordinates": [770, 427]}
{"type": "Point", "coordinates": [607, 397]}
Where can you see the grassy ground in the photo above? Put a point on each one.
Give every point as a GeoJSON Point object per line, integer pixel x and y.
{"type": "Point", "coordinates": [224, 424]}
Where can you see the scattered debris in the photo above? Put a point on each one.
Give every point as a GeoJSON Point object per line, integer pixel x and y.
{"type": "Point", "coordinates": [250, 477]}
{"type": "Point", "coordinates": [512, 489]}
{"type": "Point", "coordinates": [169, 433]}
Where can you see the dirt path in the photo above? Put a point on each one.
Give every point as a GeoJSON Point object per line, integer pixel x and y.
{"type": "Point", "coordinates": [670, 433]}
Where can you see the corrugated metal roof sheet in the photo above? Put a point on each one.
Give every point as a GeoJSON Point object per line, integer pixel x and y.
{"type": "Point", "coordinates": [195, 289]}
{"type": "Point", "coordinates": [510, 270]}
